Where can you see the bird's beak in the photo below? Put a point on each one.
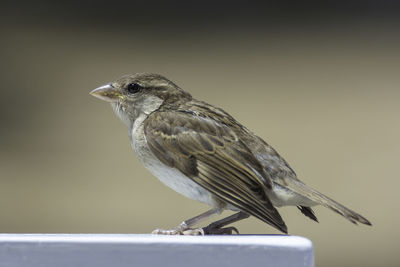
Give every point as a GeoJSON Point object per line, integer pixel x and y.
{"type": "Point", "coordinates": [107, 93]}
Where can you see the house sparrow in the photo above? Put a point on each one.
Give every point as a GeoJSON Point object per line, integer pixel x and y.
{"type": "Point", "coordinates": [203, 153]}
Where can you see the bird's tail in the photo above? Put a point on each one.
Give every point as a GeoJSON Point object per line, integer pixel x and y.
{"type": "Point", "coordinates": [319, 198]}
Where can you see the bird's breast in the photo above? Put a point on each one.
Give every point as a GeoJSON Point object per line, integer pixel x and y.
{"type": "Point", "coordinates": [171, 177]}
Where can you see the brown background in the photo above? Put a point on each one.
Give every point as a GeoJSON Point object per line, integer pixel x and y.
{"type": "Point", "coordinates": [319, 83]}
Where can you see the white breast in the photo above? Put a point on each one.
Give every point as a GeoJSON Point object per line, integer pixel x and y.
{"type": "Point", "coordinates": [171, 177]}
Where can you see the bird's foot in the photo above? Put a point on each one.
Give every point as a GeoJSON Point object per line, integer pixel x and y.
{"type": "Point", "coordinates": [166, 232]}
{"type": "Point", "coordinates": [176, 231]}
{"type": "Point", "coordinates": [197, 231]}
{"type": "Point", "coordinates": [182, 229]}
{"type": "Point", "coordinates": [215, 228]}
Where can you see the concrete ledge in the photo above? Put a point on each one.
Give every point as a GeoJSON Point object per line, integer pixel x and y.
{"type": "Point", "coordinates": [120, 250]}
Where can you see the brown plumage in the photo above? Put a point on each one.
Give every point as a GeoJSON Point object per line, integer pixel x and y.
{"type": "Point", "coordinates": [174, 133]}
{"type": "Point", "coordinates": [213, 156]}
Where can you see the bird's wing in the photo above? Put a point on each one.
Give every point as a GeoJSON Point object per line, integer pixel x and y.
{"type": "Point", "coordinates": [212, 155]}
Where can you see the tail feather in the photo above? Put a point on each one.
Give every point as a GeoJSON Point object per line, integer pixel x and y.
{"type": "Point", "coordinates": [307, 211]}
{"type": "Point", "coordinates": [312, 194]}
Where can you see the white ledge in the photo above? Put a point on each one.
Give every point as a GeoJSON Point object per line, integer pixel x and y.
{"type": "Point", "coordinates": [123, 250]}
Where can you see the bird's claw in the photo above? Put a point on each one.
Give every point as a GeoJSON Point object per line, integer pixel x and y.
{"type": "Point", "coordinates": [208, 230]}
{"type": "Point", "coordinates": [165, 232]}
{"type": "Point", "coordinates": [197, 231]}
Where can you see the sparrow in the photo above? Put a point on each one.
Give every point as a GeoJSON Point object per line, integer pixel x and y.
{"type": "Point", "coordinates": [202, 152]}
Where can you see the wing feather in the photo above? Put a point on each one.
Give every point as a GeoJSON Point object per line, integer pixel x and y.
{"type": "Point", "coordinates": [212, 155]}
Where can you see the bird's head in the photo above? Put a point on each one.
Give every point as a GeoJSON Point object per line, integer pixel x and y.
{"type": "Point", "coordinates": [139, 94]}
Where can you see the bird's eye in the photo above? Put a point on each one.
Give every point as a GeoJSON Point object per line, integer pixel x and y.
{"type": "Point", "coordinates": [133, 88]}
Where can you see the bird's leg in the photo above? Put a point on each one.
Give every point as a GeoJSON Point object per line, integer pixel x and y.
{"type": "Point", "coordinates": [216, 228]}
{"type": "Point", "coordinates": [184, 227]}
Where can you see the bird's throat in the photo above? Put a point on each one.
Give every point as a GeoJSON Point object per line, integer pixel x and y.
{"type": "Point", "coordinates": [130, 112]}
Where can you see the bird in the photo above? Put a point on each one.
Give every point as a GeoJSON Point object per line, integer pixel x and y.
{"type": "Point", "coordinates": [203, 153]}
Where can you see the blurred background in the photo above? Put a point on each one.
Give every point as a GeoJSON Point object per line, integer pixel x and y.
{"type": "Point", "coordinates": [318, 81]}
